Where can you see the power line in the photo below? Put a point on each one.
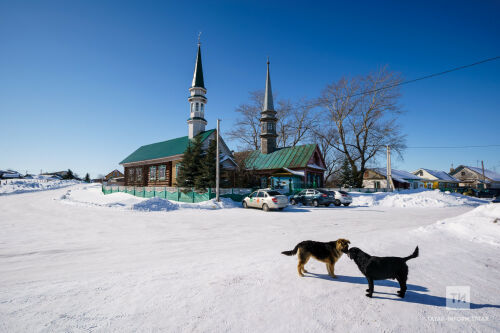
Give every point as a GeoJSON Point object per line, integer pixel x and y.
{"type": "Point", "coordinates": [453, 147]}
{"type": "Point", "coordinates": [427, 76]}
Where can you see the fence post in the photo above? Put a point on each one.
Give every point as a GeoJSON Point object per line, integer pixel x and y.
{"type": "Point", "coordinates": [134, 190]}
{"type": "Point", "coordinates": [178, 194]}
{"type": "Point", "coordinates": [192, 191]}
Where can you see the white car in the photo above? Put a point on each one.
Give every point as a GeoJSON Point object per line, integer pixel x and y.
{"type": "Point", "coordinates": [342, 198]}
{"type": "Point", "coordinates": [266, 200]}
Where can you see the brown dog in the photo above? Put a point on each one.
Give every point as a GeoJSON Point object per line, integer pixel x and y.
{"type": "Point", "coordinates": [328, 253]}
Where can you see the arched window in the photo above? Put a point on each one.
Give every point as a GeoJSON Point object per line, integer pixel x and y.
{"type": "Point", "coordinates": [197, 106]}
{"type": "Point", "coordinates": [202, 107]}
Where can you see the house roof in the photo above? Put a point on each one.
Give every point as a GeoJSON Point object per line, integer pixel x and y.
{"type": "Point", "coordinates": [441, 175]}
{"type": "Point", "coordinates": [487, 173]}
{"type": "Point", "coordinates": [399, 175]}
{"type": "Point", "coordinates": [289, 157]}
{"type": "Point", "coordinates": [163, 149]}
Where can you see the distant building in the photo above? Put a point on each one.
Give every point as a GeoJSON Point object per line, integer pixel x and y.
{"type": "Point", "coordinates": [473, 177]}
{"type": "Point", "coordinates": [158, 164]}
{"type": "Point", "coordinates": [286, 168]}
{"type": "Point", "coordinates": [433, 179]}
{"type": "Point", "coordinates": [113, 174]}
{"type": "Point", "coordinates": [377, 178]}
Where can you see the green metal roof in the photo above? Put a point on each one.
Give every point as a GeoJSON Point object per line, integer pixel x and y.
{"type": "Point", "coordinates": [163, 149]}
{"type": "Point", "coordinates": [290, 157]}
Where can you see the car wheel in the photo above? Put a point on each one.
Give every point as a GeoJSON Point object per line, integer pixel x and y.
{"type": "Point", "coordinates": [245, 205]}
{"type": "Point", "coordinates": [337, 202]}
{"type": "Point", "coordinates": [265, 207]}
{"type": "Point", "coordinates": [281, 208]}
{"type": "Point", "coordinates": [315, 203]}
{"type": "Point", "coordinates": [293, 202]}
{"type": "Point", "coordinates": [327, 204]}
{"type": "Point", "coordinates": [346, 204]}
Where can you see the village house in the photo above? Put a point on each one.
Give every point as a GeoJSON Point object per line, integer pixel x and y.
{"type": "Point", "coordinates": [473, 177]}
{"type": "Point", "coordinates": [288, 168]}
{"type": "Point", "coordinates": [377, 178]}
{"type": "Point", "coordinates": [157, 164]}
{"type": "Point", "coordinates": [434, 179]}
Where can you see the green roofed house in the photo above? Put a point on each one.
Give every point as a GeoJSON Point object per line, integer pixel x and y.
{"type": "Point", "coordinates": [288, 168]}
{"type": "Point", "coordinates": [157, 164]}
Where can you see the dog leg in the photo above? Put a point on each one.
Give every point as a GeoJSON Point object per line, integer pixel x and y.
{"type": "Point", "coordinates": [370, 287]}
{"type": "Point", "coordinates": [299, 269]}
{"type": "Point", "coordinates": [402, 285]}
{"type": "Point", "coordinates": [332, 268]}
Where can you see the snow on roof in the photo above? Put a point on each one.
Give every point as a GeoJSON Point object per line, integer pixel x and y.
{"type": "Point", "coordinates": [315, 166]}
{"type": "Point", "coordinates": [441, 175]}
{"type": "Point", "coordinates": [399, 175]}
{"type": "Point", "coordinates": [293, 172]}
{"type": "Point", "coordinates": [487, 173]}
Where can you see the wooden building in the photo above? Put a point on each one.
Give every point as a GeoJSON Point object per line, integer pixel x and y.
{"type": "Point", "coordinates": [473, 177]}
{"type": "Point", "coordinates": [377, 178]}
{"type": "Point", "coordinates": [157, 164]}
{"type": "Point", "coordinates": [288, 168]}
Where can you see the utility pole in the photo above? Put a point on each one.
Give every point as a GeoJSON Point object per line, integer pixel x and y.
{"type": "Point", "coordinates": [217, 189]}
{"type": "Point", "coordinates": [484, 178]}
{"type": "Point", "coordinates": [390, 184]}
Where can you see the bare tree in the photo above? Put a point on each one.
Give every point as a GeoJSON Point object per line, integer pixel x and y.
{"type": "Point", "coordinates": [246, 130]}
{"type": "Point", "coordinates": [293, 126]}
{"type": "Point", "coordinates": [360, 118]}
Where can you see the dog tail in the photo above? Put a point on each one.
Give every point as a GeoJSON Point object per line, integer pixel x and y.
{"type": "Point", "coordinates": [292, 252]}
{"type": "Point", "coordinates": [414, 254]}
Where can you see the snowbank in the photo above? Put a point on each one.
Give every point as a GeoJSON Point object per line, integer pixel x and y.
{"type": "Point", "coordinates": [414, 198]}
{"type": "Point", "coordinates": [91, 195]}
{"type": "Point", "coordinates": [40, 183]}
{"type": "Point", "coordinates": [481, 225]}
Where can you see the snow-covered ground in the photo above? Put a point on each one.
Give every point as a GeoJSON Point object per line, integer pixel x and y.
{"type": "Point", "coordinates": [39, 183]}
{"type": "Point", "coordinates": [74, 260]}
{"type": "Point", "coordinates": [415, 198]}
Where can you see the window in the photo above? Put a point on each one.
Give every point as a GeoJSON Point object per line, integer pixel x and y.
{"type": "Point", "coordinates": [197, 107]}
{"type": "Point", "coordinates": [260, 195]}
{"type": "Point", "coordinates": [253, 195]}
{"type": "Point", "coordinates": [463, 173]}
{"type": "Point", "coordinates": [273, 193]}
{"type": "Point", "coordinates": [131, 174]}
{"type": "Point", "coordinates": [161, 172]}
{"type": "Point", "coordinates": [138, 174]}
{"type": "Point", "coordinates": [152, 173]}
{"type": "Point", "coordinates": [177, 169]}
{"type": "Point", "coordinates": [270, 126]}
{"type": "Point", "coordinates": [202, 107]}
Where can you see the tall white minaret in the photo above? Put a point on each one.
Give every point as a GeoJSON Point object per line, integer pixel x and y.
{"type": "Point", "coordinates": [197, 99]}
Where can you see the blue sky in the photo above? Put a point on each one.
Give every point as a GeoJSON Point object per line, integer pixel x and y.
{"type": "Point", "coordinates": [85, 83]}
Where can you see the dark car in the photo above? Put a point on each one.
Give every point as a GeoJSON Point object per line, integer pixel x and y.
{"type": "Point", "coordinates": [315, 197]}
{"type": "Point", "coordinates": [489, 193]}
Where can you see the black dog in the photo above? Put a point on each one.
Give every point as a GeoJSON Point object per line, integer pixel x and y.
{"type": "Point", "coordinates": [381, 268]}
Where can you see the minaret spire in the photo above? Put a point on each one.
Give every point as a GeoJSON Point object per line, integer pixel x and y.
{"type": "Point", "coordinates": [198, 69]}
{"type": "Point", "coordinates": [268, 119]}
{"type": "Point", "coordinates": [268, 97]}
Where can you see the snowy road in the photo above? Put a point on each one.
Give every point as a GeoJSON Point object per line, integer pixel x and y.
{"type": "Point", "coordinates": [71, 267]}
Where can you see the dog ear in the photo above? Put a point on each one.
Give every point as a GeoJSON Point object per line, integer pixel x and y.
{"type": "Point", "coordinates": [348, 242]}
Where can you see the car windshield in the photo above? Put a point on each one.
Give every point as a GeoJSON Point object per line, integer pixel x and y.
{"type": "Point", "coordinates": [343, 192]}
{"type": "Point", "coordinates": [273, 193]}
{"type": "Point", "coordinates": [323, 191]}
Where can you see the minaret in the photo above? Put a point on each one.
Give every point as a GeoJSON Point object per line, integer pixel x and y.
{"type": "Point", "coordinates": [268, 120]}
{"type": "Point", "coordinates": [197, 99]}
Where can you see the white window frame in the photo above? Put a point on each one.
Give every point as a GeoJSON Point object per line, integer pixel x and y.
{"type": "Point", "coordinates": [162, 168]}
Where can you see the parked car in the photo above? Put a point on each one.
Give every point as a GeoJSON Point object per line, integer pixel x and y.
{"type": "Point", "coordinates": [266, 200]}
{"type": "Point", "coordinates": [497, 199]}
{"type": "Point", "coordinates": [341, 198]}
{"type": "Point", "coordinates": [315, 197]}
